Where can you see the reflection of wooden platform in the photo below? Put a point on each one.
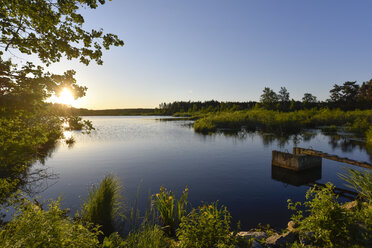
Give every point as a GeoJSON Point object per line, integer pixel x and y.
{"type": "Point", "coordinates": [295, 178]}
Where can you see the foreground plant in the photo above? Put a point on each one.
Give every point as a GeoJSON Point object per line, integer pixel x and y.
{"type": "Point", "coordinates": [170, 209]}
{"type": "Point", "coordinates": [150, 236]}
{"type": "Point", "coordinates": [103, 204]}
{"type": "Point", "coordinates": [360, 181]}
{"type": "Point", "coordinates": [329, 224]}
{"type": "Point", "coordinates": [207, 226]}
{"type": "Point", "coordinates": [34, 227]}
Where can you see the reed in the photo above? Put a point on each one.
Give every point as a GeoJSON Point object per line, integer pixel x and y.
{"type": "Point", "coordinates": [171, 210]}
{"type": "Point", "coordinates": [103, 204]}
{"type": "Point", "coordinates": [360, 181]}
{"type": "Point", "coordinates": [148, 236]}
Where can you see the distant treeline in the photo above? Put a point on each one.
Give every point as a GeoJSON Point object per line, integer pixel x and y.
{"type": "Point", "coordinates": [207, 106]}
{"type": "Point", "coordinates": [348, 96]}
{"type": "Point", "coordinates": [62, 109]}
{"type": "Point", "coordinates": [138, 111]}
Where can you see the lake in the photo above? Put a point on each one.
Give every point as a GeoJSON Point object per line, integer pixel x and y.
{"type": "Point", "coordinates": [231, 168]}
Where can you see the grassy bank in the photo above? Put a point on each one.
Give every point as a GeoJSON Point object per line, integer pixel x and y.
{"type": "Point", "coordinates": [358, 121]}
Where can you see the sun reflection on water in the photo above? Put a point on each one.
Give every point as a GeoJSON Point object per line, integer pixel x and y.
{"type": "Point", "coordinates": [65, 124]}
{"type": "Point", "coordinates": [67, 134]}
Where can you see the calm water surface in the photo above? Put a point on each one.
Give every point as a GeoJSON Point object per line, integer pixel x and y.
{"type": "Point", "coordinates": [236, 170]}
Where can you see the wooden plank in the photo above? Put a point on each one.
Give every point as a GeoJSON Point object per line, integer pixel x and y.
{"type": "Point", "coordinates": [299, 150]}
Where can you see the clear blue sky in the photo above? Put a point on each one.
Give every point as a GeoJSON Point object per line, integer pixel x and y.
{"type": "Point", "coordinates": [225, 50]}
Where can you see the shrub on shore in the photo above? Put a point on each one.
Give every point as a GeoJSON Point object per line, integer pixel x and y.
{"type": "Point", "coordinates": [34, 227]}
{"type": "Point", "coordinates": [207, 226]}
{"type": "Point", "coordinates": [330, 223]}
{"type": "Point", "coordinates": [204, 125]}
{"type": "Point", "coordinates": [148, 236]}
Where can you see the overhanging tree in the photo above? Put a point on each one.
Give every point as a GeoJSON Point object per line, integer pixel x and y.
{"type": "Point", "coordinates": [50, 30]}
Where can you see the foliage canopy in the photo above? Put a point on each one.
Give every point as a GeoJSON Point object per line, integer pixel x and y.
{"type": "Point", "coordinates": [52, 29]}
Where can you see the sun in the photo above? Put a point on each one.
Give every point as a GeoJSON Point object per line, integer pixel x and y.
{"type": "Point", "coordinates": [65, 97]}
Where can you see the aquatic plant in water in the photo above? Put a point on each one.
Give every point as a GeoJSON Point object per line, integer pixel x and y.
{"type": "Point", "coordinates": [103, 204]}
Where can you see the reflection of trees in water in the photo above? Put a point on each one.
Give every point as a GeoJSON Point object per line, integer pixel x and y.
{"type": "Point", "coordinates": [30, 173]}
{"type": "Point", "coordinates": [267, 138]}
{"type": "Point", "coordinates": [347, 144]}
{"type": "Point", "coordinates": [38, 179]}
{"type": "Point", "coordinates": [241, 134]}
{"type": "Point", "coordinates": [284, 140]}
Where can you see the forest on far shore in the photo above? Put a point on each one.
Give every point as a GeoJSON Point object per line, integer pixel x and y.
{"type": "Point", "coordinates": [348, 96]}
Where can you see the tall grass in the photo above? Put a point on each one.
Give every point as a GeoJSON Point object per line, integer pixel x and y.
{"type": "Point", "coordinates": [103, 204]}
{"type": "Point", "coordinates": [361, 181]}
{"type": "Point", "coordinates": [149, 236]}
{"type": "Point", "coordinates": [283, 122]}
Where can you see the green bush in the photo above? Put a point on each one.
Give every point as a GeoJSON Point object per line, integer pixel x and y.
{"type": "Point", "coordinates": [207, 226]}
{"type": "Point", "coordinates": [359, 126]}
{"type": "Point", "coordinates": [77, 123]}
{"type": "Point", "coordinates": [34, 227]}
{"type": "Point", "coordinates": [103, 204]}
{"type": "Point", "coordinates": [113, 241]}
{"type": "Point", "coordinates": [148, 237]}
{"type": "Point", "coordinates": [369, 135]}
{"type": "Point", "coordinates": [204, 126]}
{"type": "Point", "coordinates": [331, 224]}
